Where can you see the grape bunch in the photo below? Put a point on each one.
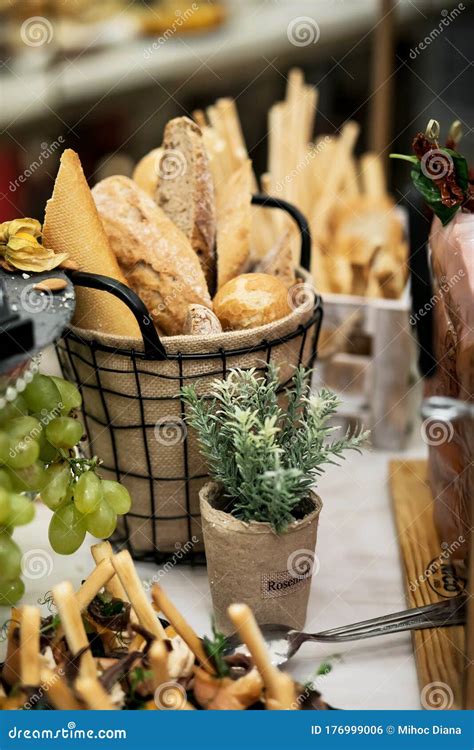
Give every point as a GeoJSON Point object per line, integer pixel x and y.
{"type": "Point", "coordinates": [38, 455]}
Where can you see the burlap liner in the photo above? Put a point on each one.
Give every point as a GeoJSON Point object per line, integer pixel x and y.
{"type": "Point", "coordinates": [250, 563]}
{"type": "Point", "coordinates": [134, 416]}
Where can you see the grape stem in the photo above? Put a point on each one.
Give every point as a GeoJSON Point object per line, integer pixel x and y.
{"type": "Point", "coordinates": [80, 465]}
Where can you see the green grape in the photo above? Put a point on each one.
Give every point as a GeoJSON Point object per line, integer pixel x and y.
{"type": "Point", "coordinates": [15, 408]}
{"type": "Point", "coordinates": [23, 427]}
{"type": "Point", "coordinates": [5, 480]}
{"type": "Point", "coordinates": [22, 510]}
{"type": "Point", "coordinates": [10, 558]}
{"type": "Point", "coordinates": [27, 480]}
{"type": "Point", "coordinates": [4, 508]}
{"type": "Point", "coordinates": [47, 453]}
{"type": "Point", "coordinates": [88, 492]}
{"type": "Point", "coordinates": [23, 453]}
{"type": "Point", "coordinates": [11, 592]}
{"type": "Point", "coordinates": [56, 480]}
{"type": "Point", "coordinates": [42, 393]}
{"type": "Point", "coordinates": [117, 496]}
{"type": "Point", "coordinates": [67, 530]}
{"type": "Point", "coordinates": [4, 447]}
{"type": "Point", "coordinates": [64, 432]}
{"type": "Point", "coordinates": [70, 397]}
{"type": "Point", "coordinates": [102, 522]}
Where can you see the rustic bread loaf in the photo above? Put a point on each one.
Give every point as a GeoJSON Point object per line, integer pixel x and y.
{"type": "Point", "coordinates": [251, 300]}
{"type": "Point", "coordinates": [279, 261]}
{"type": "Point", "coordinates": [234, 225]}
{"type": "Point", "coordinates": [155, 256]}
{"type": "Point", "coordinates": [200, 321]}
{"type": "Point", "coordinates": [186, 192]}
{"type": "Point", "coordinates": [72, 224]}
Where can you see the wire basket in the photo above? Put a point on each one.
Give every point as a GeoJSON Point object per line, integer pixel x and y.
{"type": "Point", "coordinates": [134, 415]}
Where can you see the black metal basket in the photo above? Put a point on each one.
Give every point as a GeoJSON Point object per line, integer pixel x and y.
{"type": "Point", "coordinates": [123, 390]}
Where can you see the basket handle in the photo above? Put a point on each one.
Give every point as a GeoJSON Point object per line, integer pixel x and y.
{"type": "Point", "coordinates": [153, 346]}
{"type": "Point", "coordinates": [298, 218]}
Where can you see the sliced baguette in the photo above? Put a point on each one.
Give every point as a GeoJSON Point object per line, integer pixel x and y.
{"type": "Point", "coordinates": [234, 225]}
{"type": "Point", "coordinates": [72, 224]}
{"type": "Point", "coordinates": [155, 256]}
{"type": "Point", "coordinates": [185, 190]}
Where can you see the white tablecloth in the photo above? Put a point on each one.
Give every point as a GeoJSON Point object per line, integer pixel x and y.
{"type": "Point", "coordinates": [359, 577]}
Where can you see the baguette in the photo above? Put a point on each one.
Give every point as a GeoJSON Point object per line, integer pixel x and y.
{"type": "Point", "coordinates": [185, 190]}
{"type": "Point", "coordinates": [147, 171]}
{"type": "Point", "coordinates": [72, 224]}
{"type": "Point", "coordinates": [279, 261]}
{"type": "Point", "coordinates": [155, 256]}
{"type": "Point", "coordinates": [234, 225]}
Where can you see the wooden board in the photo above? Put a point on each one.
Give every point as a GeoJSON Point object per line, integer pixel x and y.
{"type": "Point", "coordinates": [429, 577]}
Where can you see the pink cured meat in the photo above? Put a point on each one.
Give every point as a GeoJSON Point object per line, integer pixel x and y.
{"type": "Point", "coordinates": [450, 469]}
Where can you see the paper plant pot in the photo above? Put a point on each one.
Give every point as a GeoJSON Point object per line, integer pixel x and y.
{"type": "Point", "coordinates": [250, 563]}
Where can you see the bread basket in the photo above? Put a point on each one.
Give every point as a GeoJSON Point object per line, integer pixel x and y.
{"type": "Point", "coordinates": [134, 416]}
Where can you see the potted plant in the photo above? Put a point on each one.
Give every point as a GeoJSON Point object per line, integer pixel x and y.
{"type": "Point", "coordinates": [260, 514]}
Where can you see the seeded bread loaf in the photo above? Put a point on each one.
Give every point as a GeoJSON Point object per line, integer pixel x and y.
{"type": "Point", "coordinates": [185, 190]}
{"type": "Point", "coordinates": [155, 256]}
{"type": "Point", "coordinates": [233, 225]}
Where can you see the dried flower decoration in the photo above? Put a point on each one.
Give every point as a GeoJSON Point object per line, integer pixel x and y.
{"type": "Point", "coordinates": [21, 247]}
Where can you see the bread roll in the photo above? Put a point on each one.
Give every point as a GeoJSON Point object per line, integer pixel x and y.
{"type": "Point", "coordinates": [186, 192]}
{"type": "Point", "coordinates": [72, 224]}
{"type": "Point", "coordinates": [155, 256]}
{"type": "Point", "coordinates": [201, 321]}
{"type": "Point", "coordinates": [279, 261]}
{"type": "Point", "coordinates": [233, 225]}
{"type": "Point", "coordinates": [147, 171]}
{"type": "Point", "coordinates": [251, 300]}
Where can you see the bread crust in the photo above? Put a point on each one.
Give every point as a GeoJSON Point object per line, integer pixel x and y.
{"type": "Point", "coordinates": [185, 190]}
{"type": "Point", "coordinates": [146, 172]}
{"type": "Point", "coordinates": [279, 261]}
{"type": "Point", "coordinates": [234, 225]}
{"type": "Point", "coordinates": [155, 256]}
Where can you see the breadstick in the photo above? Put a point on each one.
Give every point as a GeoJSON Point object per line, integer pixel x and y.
{"type": "Point", "coordinates": [30, 646]}
{"type": "Point", "coordinates": [100, 576]}
{"type": "Point", "coordinates": [104, 551]}
{"type": "Point", "coordinates": [71, 622]}
{"type": "Point", "coordinates": [200, 118]}
{"type": "Point", "coordinates": [11, 668]}
{"type": "Point", "coordinates": [93, 694]}
{"type": "Point", "coordinates": [129, 579]}
{"type": "Point", "coordinates": [182, 628]}
{"type": "Point", "coordinates": [158, 656]}
{"type": "Point", "coordinates": [59, 692]}
{"type": "Point", "coordinates": [281, 693]}
{"type": "Point", "coordinates": [372, 175]}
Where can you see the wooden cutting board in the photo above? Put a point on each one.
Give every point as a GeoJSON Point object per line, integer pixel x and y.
{"type": "Point", "coordinates": [429, 577]}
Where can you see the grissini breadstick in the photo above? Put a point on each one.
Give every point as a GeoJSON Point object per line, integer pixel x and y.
{"type": "Point", "coordinates": [181, 626]}
{"type": "Point", "coordinates": [93, 694]}
{"type": "Point", "coordinates": [71, 622]}
{"type": "Point", "coordinates": [372, 175]}
{"type": "Point", "coordinates": [280, 687]}
{"type": "Point", "coordinates": [129, 579]}
{"type": "Point", "coordinates": [30, 646]}
{"type": "Point", "coordinates": [59, 692]}
{"type": "Point", "coordinates": [99, 577]}
{"type": "Point", "coordinates": [158, 656]}
{"type": "Point", "coordinates": [104, 551]}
